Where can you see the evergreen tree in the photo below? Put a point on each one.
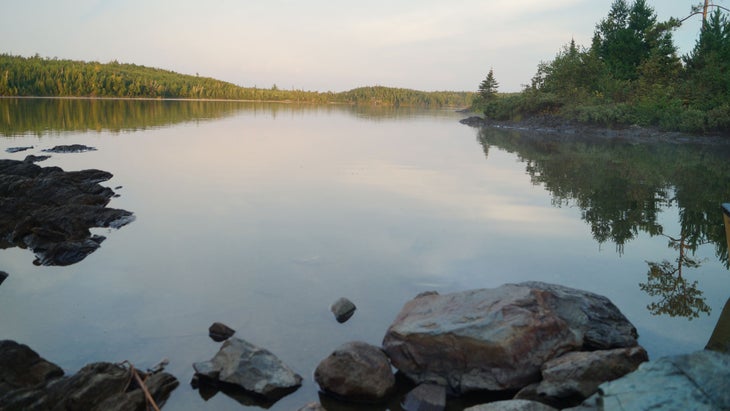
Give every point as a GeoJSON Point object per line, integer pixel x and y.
{"type": "Point", "coordinates": [488, 87]}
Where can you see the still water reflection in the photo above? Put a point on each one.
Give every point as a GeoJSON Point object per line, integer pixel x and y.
{"type": "Point", "coordinates": [261, 216]}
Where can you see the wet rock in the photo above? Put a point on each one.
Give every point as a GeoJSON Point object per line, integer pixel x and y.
{"type": "Point", "coordinates": [720, 338]}
{"type": "Point", "coordinates": [17, 149]}
{"type": "Point", "coordinates": [425, 397]}
{"type": "Point", "coordinates": [512, 405]}
{"type": "Point", "coordinates": [356, 371]}
{"type": "Point", "coordinates": [50, 211]}
{"type": "Point", "coordinates": [343, 309]}
{"type": "Point", "coordinates": [219, 332]}
{"type": "Point", "coordinates": [473, 121]}
{"type": "Point", "coordinates": [21, 367]}
{"type": "Point", "coordinates": [96, 387]}
{"type": "Point", "coordinates": [312, 406]}
{"type": "Point", "coordinates": [73, 148]}
{"type": "Point", "coordinates": [3, 276]}
{"type": "Point", "coordinates": [498, 339]}
{"type": "Point", "coordinates": [34, 159]}
{"type": "Point", "coordinates": [696, 381]}
{"type": "Point", "coordinates": [254, 369]}
{"type": "Point", "coordinates": [578, 374]}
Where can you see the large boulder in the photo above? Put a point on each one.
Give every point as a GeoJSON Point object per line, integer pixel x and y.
{"type": "Point", "coordinates": [498, 339]}
{"type": "Point", "coordinates": [251, 368]}
{"type": "Point", "coordinates": [50, 211]}
{"type": "Point", "coordinates": [696, 381]}
{"type": "Point", "coordinates": [512, 405]}
{"type": "Point", "coordinates": [356, 371]}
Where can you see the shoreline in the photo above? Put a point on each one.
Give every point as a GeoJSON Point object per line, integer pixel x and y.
{"type": "Point", "coordinates": [562, 128]}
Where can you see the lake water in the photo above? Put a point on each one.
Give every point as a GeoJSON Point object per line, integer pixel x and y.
{"type": "Point", "coordinates": [262, 215]}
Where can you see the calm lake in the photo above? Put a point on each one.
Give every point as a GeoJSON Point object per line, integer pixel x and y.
{"type": "Point", "coordinates": [262, 215]}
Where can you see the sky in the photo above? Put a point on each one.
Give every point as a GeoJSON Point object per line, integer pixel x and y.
{"type": "Point", "coordinates": [322, 45]}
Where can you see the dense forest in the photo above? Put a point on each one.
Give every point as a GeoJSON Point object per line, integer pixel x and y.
{"type": "Point", "coordinates": [630, 75]}
{"type": "Point", "coordinates": [45, 77]}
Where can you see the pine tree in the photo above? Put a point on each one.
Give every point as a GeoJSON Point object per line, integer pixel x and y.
{"type": "Point", "coordinates": [488, 86]}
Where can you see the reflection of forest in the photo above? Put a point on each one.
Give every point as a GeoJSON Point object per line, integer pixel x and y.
{"type": "Point", "coordinates": [44, 116]}
{"type": "Point", "coordinates": [621, 186]}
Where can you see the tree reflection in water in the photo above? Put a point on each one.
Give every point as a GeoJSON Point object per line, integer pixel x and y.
{"type": "Point", "coordinates": [622, 185]}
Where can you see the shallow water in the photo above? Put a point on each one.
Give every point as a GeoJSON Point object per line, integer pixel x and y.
{"type": "Point", "coordinates": [262, 215]}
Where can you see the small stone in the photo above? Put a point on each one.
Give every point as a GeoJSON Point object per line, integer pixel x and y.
{"type": "Point", "coordinates": [343, 309]}
{"type": "Point", "coordinates": [426, 397]}
{"type": "Point", "coordinates": [220, 332]}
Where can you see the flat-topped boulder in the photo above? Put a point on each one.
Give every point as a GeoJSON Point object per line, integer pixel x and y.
{"type": "Point", "coordinates": [498, 339]}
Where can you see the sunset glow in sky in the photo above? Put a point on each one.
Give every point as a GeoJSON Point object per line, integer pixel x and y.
{"type": "Point", "coordinates": [320, 45]}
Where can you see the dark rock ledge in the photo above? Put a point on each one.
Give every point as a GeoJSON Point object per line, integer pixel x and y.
{"type": "Point", "coordinates": [29, 382]}
{"type": "Point", "coordinates": [50, 211]}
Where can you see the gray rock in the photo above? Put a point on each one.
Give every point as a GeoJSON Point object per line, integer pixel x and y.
{"type": "Point", "coordinates": [96, 387]}
{"type": "Point", "coordinates": [356, 371]}
{"type": "Point", "coordinates": [512, 405]}
{"type": "Point", "coordinates": [34, 159]}
{"type": "Point", "coordinates": [51, 211]}
{"type": "Point", "coordinates": [21, 367]}
{"type": "Point", "coordinates": [252, 368]}
{"type": "Point", "coordinates": [3, 276]}
{"type": "Point", "coordinates": [313, 406]}
{"type": "Point", "coordinates": [720, 338]}
{"type": "Point", "coordinates": [343, 309]}
{"type": "Point", "coordinates": [17, 149]}
{"type": "Point", "coordinates": [578, 374]}
{"type": "Point", "coordinates": [220, 332]}
{"type": "Point", "coordinates": [73, 148]}
{"type": "Point", "coordinates": [696, 381]}
{"type": "Point", "coordinates": [425, 397]}
{"type": "Point", "coordinates": [498, 339]}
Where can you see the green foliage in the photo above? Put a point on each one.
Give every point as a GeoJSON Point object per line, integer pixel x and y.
{"type": "Point", "coordinates": [43, 77]}
{"type": "Point", "coordinates": [632, 75]}
{"type": "Point", "coordinates": [488, 87]}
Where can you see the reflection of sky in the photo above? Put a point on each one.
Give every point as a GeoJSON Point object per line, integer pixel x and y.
{"type": "Point", "coordinates": [263, 222]}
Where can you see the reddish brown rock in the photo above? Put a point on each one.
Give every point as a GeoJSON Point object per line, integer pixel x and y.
{"type": "Point", "coordinates": [498, 339]}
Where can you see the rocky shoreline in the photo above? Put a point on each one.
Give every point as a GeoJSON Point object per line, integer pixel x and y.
{"type": "Point", "coordinates": [545, 346]}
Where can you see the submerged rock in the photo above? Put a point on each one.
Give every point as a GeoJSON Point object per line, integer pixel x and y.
{"type": "Point", "coordinates": [50, 211]}
{"type": "Point", "coordinates": [3, 276]}
{"type": "Point", "coordinates": [498, 339]}
{"type": "Point", "coordinates": [34, 159]}
{"type": "Point", "coordinates": [425, 397]}
{"type": "Point", "coordinates": [512, 405]}
{"type": "Point", "coordinates": [219, 332]}
{"type": "Point", "coordinates": [343, 309]}
{"type": "Point", "coordinates": [73, 148]}
{"type": "Point", "coordinates": [17, 149]}
{"type": "Point", "coordinates": [356, 371]}
{"type": "Point", "coordinates": [252, 368]}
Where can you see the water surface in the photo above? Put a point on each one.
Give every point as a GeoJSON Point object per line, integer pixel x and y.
{"type": "Point", "coordinates": [260, 216]}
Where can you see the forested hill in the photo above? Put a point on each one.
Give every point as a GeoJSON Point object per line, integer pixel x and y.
{"type": "Point", "coordinates": [44, 77]}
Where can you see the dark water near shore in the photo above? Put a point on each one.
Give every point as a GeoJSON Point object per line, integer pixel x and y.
{"type": "Point", "coordinates": [262, 215]}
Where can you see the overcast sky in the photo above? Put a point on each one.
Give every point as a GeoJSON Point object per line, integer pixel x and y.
{"type": "Point", "coordinates": [320, 45]}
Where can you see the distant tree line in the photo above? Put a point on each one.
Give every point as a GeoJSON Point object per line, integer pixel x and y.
{"type": "Point", "coordinates": [631, 74]}
{"type": "Point", "coordinates": [46, 77]}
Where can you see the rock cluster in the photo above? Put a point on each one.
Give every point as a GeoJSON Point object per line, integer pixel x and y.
{"type": "Point", "coordinates": [28, 382]}
{"type": "Point", "coordinates": [50, 211]}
